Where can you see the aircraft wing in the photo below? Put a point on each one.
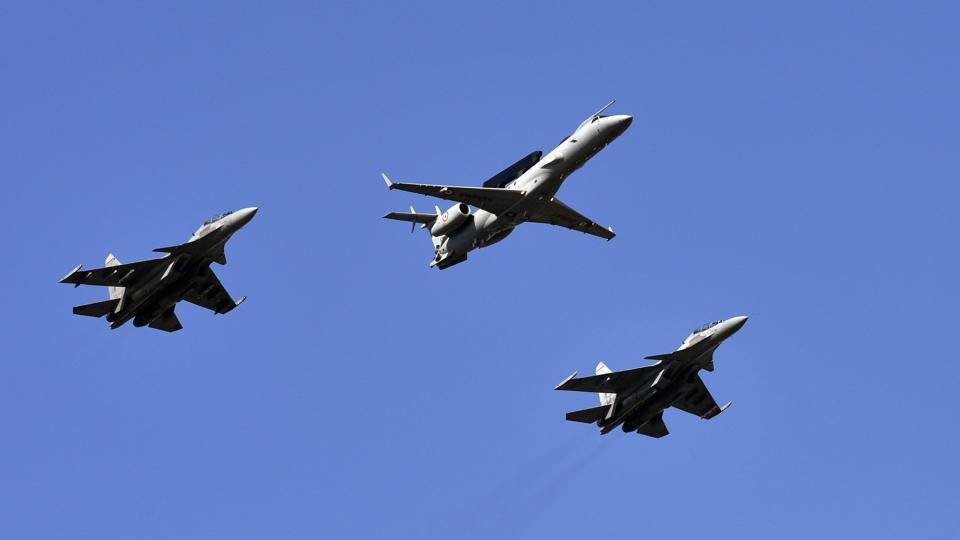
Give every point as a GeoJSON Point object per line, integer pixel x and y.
{"type": "Point", "coordinates": [555, 212]}
{"type": "Point", "coordinates": [609, 383]}
{"type": "Point", "coordinates": [113, 276]}
{"type": "Point", "coordinates": [695, 399]}
{"type": "Point", "coordinates": [209, 293]}
{"type": "Point", "coordinates": [494, 200]}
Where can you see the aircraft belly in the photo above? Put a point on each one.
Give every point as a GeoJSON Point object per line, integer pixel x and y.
{"type": "Point", "coordinates": [147, 305]}
{"type": "Point", "coordinates": [645, 407]}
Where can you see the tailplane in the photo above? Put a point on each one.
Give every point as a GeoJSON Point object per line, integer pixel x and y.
{"type": "Point", "coordinates": [97, 309]}
{"type": "Point", "coordinates": [605, 399]}
{"type": "Point", "coordinates": [589, 416]}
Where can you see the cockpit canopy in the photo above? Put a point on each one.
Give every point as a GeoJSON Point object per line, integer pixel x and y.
{"type": "Point", "coordinates": [706, 326]}
{"type": "Point", "coordinates": [217, 218]}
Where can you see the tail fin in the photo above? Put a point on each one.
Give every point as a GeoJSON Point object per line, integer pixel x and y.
{"type": "Point", "coordinates": [605, 399]}
{"type": "Point", "coordinates": [437, 240]}
{"type": "Point", "coordinates": [115, 292]}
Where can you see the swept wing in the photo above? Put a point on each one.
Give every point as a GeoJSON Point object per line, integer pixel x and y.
{"type": "Point", "coordinates": [209, 293]}
{"type": "Point", "coordinates": [695, 399]}
{"type": "Point", "coordinates": [494, 200]}
{"type": "Point", "coordinates": [609, 383]}
{"type": "Point", "coordinates": [557, 213]}
{"type": "Point", "coordinates": [120, 275]}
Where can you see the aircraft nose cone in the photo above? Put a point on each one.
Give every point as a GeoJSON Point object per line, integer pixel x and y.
{"type": "Point", "coordinates": [618, 123]}
{"type": "Point", "coordinates": [245, 215]}
{"type": "Point", "coordinates": [736, 323]}
{"type": "Point", "coordinates": [621, 121]}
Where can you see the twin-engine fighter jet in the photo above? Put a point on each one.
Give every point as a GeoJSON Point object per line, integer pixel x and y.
{"type": "Point", "coordinates": [636, 398]}
{"type": "Point", "coordinates": [148, 291]}
{"type": "Point", "coordinates": [522, 192]}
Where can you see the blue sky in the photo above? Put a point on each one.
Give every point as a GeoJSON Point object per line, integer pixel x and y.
{"type": "Point", "coordinates": [797, 164]}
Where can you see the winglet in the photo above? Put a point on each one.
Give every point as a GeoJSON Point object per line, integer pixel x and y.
{"type": "Point", "coordinates": [413, 224]}
{"type": "Point", "coordinates": [72, 272]}
{"type": "Point", "coordinates": [611, 232]}
{"type": "Point", "coordinates": [565, 381]}
{"type": "Point", "coordinates": [387, 180]}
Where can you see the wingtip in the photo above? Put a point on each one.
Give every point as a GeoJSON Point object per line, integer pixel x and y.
{"type": "Point", "coordinates": [565, 381]}
{"type": "Point", "coordinates": [387, 180]}
{"type": "Point", "coordinates": [72, 272]}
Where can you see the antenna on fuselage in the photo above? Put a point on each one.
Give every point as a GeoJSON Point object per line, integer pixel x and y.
{"type": "Point", "coordinates": [597, 114]}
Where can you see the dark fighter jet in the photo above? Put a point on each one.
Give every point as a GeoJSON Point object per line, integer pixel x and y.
{"type": "Point", "coordinates": [148, 291]}
{"type": "Point", "coordinates": [636, 398]}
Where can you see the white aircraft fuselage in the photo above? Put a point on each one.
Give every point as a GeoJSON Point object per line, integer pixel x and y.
{"type": "Point", "coordinates": [524, 191]}
{"type": "Point", "coordinates": [540, 183]}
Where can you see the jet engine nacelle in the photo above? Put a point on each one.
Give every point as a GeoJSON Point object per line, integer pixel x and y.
{"type": "Point", "coordinates": [451, 220]}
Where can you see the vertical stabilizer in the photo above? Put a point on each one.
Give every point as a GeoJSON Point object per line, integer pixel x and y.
{"type": "Point", "coordinates": [605, 399]}
{"type": "Point", "coordinates": [437, 240]}
{"type": "Point", "coordinates": [115, 292]}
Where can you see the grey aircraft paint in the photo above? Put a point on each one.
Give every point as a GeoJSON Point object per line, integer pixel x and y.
{"type": "Point", "coordinates": [523, 192]}
{"type": "Point", "coordinates": [148, 291]}
{"type": "Point", "coordinates": [636, 398]}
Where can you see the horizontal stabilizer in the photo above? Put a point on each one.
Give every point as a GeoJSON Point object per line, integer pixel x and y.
{"type": "Point", "coordinates": [654, 428]}
{"type": "Point", "coordinates": [668, 356]}
{"type": "Point", "coordinates": [412, 217]}
{"type": "Point", "coordinates": [97, 309]}
{"type": "Point", "coordinates": [588, 416]}
{"type": "Point", "coordinates": [168, 322]}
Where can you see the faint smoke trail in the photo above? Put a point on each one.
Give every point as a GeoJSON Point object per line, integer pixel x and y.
{"type": "Point", "coordinates": [526, 490]}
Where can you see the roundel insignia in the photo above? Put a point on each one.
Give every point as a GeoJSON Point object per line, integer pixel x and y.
{"type": "Point", "coordinates": [444, 216]}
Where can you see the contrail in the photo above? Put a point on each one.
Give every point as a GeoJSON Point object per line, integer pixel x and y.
{"type": "Point", "coordinates": [527, 489]}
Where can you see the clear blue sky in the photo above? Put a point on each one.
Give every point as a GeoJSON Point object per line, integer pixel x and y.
{"type": "Point", "coordinates": [795, 164]}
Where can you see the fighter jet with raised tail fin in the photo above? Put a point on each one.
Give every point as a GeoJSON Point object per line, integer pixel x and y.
{"type": "Point", "coordinates": [148, 291]}
{"type": "Point", "coordinates": [524, 191]}
{"type": "Point", "coordinates": [636, 398]}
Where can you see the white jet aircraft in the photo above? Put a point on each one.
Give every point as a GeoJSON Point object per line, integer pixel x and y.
{"type": "Point", "coordinates": [525, 191]}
